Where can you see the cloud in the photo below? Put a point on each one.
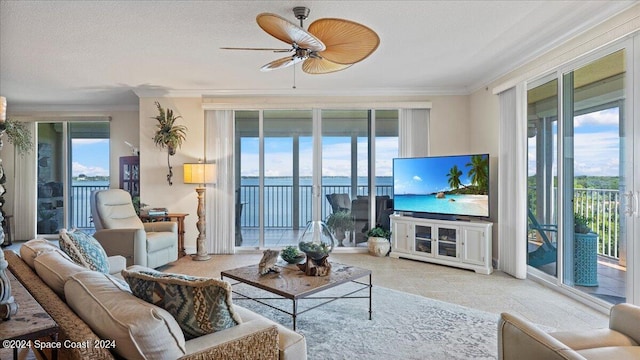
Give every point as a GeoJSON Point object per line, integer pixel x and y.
{"type": "Point", "coordinates": [595, 154]}
{"type": "Point", "coordinates": [417, 178]}
{"type": "Point", "coordinates": [607, 117]}
{"type": "Point", "coordinates": [77, 169]}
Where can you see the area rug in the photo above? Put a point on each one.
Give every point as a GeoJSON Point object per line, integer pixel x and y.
{"type": "Point", "coordinates": [404, 326]}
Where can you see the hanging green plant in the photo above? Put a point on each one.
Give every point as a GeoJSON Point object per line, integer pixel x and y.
{"type": "Point", "coordinates": [169, 134]}
{"type": "Point", "coordinates": [18, 135]}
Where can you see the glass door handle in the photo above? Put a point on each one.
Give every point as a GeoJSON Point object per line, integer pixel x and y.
{"type": "Point", "coordinates": [631, 206]}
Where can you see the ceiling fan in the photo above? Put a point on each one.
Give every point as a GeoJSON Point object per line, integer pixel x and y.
{"type": "Point", "coordinates": [328, 45]}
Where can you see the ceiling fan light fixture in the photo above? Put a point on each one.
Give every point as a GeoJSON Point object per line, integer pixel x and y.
{"type": "Point", "coordinates": [301, 13]}
{"type": "Point", "coordinates": [329, 45]}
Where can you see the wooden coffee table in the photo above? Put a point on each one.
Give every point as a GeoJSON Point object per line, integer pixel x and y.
{"type": "Point", "coordinates": [294, 285]}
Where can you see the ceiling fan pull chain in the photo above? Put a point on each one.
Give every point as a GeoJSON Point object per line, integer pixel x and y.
{"type": "Point", "coordinates": [294, 76]}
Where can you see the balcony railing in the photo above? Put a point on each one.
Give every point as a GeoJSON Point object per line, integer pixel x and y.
{"type": "Point", "coordinates": [280, 210]}
{"type": "Point", "coordinates": [81, 205]}
{"type": "Point", "coordinates": [602, 206]}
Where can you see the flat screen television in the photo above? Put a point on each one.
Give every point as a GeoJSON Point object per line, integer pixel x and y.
{"type": "Point", "coordinates": [446, 185]}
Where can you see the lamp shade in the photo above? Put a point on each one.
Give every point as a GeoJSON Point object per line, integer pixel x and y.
{"type": "Point", "coordinates": [3, 108]}
{"type": "Point", "coordinates": [199, 173]}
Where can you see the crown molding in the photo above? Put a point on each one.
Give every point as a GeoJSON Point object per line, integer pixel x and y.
{"type": "Point", "coordinates": [70, 108]}
{"type": "Point", "coordinates": [146, 93]}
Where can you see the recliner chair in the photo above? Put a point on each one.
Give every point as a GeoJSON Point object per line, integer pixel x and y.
{"type": "Point", "coordinates": [520, 339]}
{"type": "Point", "coordinates": [121, 232]}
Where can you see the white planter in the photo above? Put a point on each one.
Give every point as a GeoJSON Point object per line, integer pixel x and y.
{"type": "Point", "coordinates": [378, 246]}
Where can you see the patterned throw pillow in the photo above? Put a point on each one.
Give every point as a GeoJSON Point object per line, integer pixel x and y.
{"type": "Point", "coordinates": [199, 305]}
{"type": "Point", "coordinates": [84, 249]}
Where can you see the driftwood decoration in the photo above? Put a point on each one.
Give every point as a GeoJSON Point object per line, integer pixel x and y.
{"type": "Point", "coordinates": [321, 267]}
{"type": "Point", "coordinates": [268, 262]}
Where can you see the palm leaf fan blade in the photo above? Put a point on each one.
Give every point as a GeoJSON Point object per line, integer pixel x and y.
{"type": "Point", "coordinates": [346, 42]}
{"type": "Point", "coordinates": [286, 31]}
{"type": "Point", "coordinates": [281, 63]}
{"type": "Point", "coordinates": [321, 66]}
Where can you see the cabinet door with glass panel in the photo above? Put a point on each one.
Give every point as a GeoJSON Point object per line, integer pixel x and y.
{"type": "Point", "coordinates": [447, 242]}
{"type": "Point", "coordinates": [424, 239]}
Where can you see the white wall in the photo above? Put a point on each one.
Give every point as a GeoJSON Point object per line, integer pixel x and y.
{"type": "Point", "coordinates": [154, 188]}
{"type": "Point", "coordinates": [483, 124]}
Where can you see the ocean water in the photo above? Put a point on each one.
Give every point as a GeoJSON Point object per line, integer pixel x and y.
{"type": "Point", "coordinates": [278, 197]}
{"type": "Point", "coordinates": [474, 205]}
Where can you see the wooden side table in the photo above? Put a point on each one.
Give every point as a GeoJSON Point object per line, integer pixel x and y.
{"type": "Point", "coordinates": [29, 324]}
{"type": "Point", "coordinates": [177, 217]}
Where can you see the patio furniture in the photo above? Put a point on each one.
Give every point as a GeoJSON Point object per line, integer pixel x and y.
{"type": "Point", "coordinates": [546, 253]}
{"type": "Point", "coordinates": [339, 202]}
{"type": "Point", "coordinates": [360, 213]}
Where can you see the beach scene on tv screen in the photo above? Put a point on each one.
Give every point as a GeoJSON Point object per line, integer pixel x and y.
{"type": "Point", "coordinates": [457, 185]}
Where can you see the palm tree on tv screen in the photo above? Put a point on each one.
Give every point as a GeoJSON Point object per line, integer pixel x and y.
{"type": "Point", "coordinates": [479, 172]}
{"type": "Point", "coordinates": [454, 177]}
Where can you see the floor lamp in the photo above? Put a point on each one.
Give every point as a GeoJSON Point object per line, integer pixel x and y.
{"type": "Point", "coordinates": [200, 174]}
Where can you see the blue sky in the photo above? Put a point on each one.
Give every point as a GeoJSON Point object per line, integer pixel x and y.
{"type": "Point", "coordinates": [90, 157]}
{"type": "Point", "coordinates": [428, 175]}
{"type": "Point", "coordinates": [596, 145]}
{"type": "Point", "coordinates": [336, 158]}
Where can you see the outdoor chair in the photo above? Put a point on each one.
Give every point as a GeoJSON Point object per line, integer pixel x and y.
{"type": "Point", "coordinates": [546, 253]}
{"type": "Point", "coordinates": [339, 202]}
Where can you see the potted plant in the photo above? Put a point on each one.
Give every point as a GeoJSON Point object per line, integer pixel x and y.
{"type": "Point", "coordinates": [339, 222]}
{"type": "Point", "coordinates": [292, 255]}
{"type": "Point", "coordinates": [169, 134]}
{"type": "Point", "coordinates": [581, 224]}
{"type": "Point", "coordinates": [378, 242]}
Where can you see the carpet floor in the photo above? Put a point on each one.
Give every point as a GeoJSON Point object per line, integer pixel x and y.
{"type": "Point", "coordinates": [404, 326]}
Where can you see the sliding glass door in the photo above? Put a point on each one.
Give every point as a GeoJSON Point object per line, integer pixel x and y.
{"type": "Point", "coordinates": [72, 161]}
{"type": "Point", "coordinates": [295, 166]}
{"type": "Point", "coordinates": [594, 177]}
{"type": "Point", "coordinates": [581, 178]}
{"type": "Point", "coordinates": [542, 175]}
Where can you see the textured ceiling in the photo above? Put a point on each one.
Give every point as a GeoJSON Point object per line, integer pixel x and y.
{"type": "Point", "coordinates": [65, 54]}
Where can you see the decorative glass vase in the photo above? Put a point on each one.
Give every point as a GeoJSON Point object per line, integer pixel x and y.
{"type": "Point", "coordinates": [316, 241]}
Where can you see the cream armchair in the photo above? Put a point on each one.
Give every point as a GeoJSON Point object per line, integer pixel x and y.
{"type": "Point", "coordinates": [519, 339]}
{"type": "Point", "coordinates": [121, 232]}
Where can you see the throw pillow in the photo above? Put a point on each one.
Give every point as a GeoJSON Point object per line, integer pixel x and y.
{"type": "Point", "coordinates": [200, 305]}
{"type": "Point", "coordinates": [84, 249]}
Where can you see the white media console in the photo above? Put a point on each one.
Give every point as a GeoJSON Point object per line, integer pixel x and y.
{"type": "Point", "coordinates": [463, 244]}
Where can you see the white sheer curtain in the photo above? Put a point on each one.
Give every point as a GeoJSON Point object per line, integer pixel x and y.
{"type": "Point", "coordinates": [512, 183]}
{"type": "Point", "coordinates": [220, 198]}
{"type": "Point", "coordinates": [413, 133]}
{"type": "Point", "coordinates": [24, 192]}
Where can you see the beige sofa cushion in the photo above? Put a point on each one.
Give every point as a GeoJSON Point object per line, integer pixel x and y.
{"type": "Point", "coordinates": [200, 305]}
{"type": "Point", "coordinates": [30, 249]}
{"type": "Point", "coordinates": [140, 330]}
{"type": "Point", "coordinates": [55, 268]}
